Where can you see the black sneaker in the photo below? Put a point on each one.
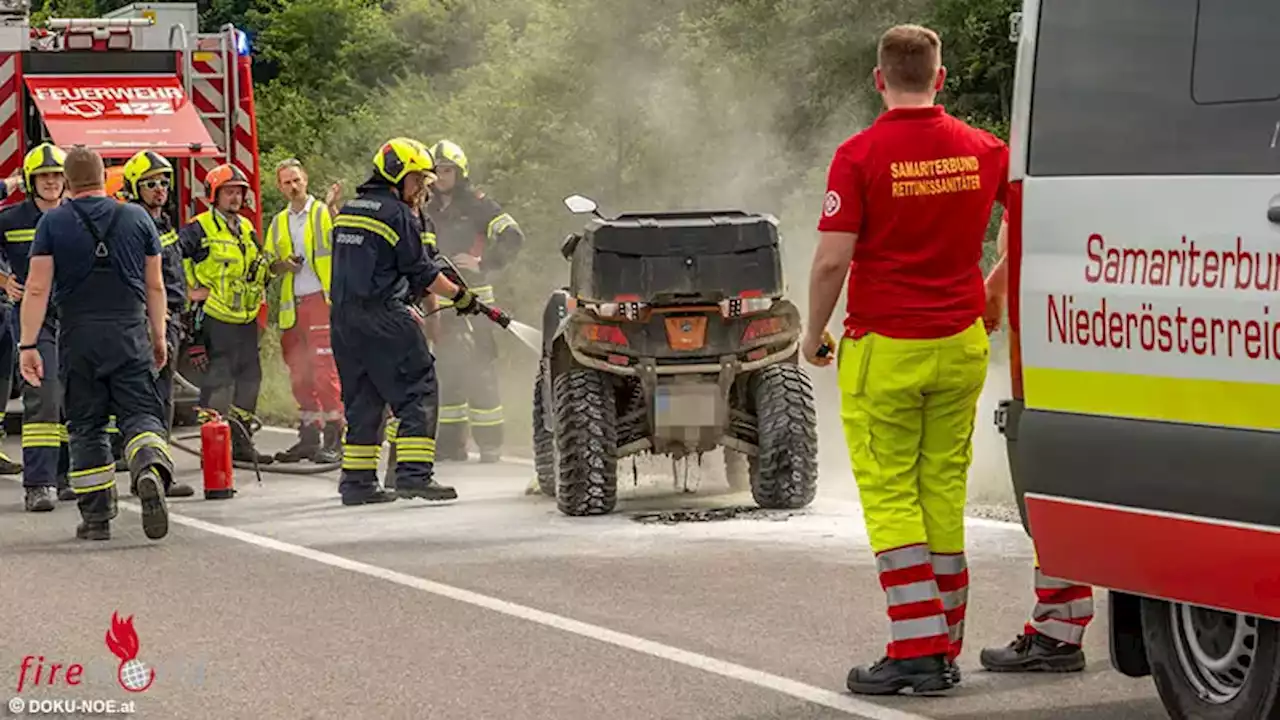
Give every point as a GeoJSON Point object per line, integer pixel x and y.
{"type": "Point", "coordinates": [1034, 653]}
{"type": "Point", "coordinates": [372, 497]}
{"type": "Point", "coordinates": [432, 491]}
{"type": "Point", "coordinates": [922, 676]}
{"type": "Point", "coordinates": [155, 514]}
{"type": "Point", "coordinates": [93, 531]}
{"type": "Point", "coordinates": [40, 499]}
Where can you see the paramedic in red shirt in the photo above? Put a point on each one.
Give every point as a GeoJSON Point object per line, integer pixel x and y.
{"type": "Point", "coordinates": [907, 207]}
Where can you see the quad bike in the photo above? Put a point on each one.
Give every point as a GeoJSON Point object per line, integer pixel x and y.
{"type": "Point", "coordinates": [672, 338]}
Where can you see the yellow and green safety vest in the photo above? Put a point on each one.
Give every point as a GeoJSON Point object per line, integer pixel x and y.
{"type": "Point", "coordinates": [235, 296]}
{"type": "Point", "coordinates": [317, 248]}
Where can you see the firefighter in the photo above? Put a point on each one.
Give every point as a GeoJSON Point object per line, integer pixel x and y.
{"type": "Point", "coordinates": [300, 240]}
{"type": "Point", "coordinates": [905, 215]}
{"type": "Point", "coordinates": [45, 459]}
{"type": "Point", "coordinates": [147, 178]}
{"type": "Point", "coordinates": [473, 231]}
{"type": "Point", "coordinates": [379, 269]}
{"type": "Point", "coordinates": [1051, 641]}
{"type": "Point", "coordinates": [8, 340]}
{"type": "Point", "coordinates": [100, 259]}
{"type": "Point", "coordinates": [229, 265]}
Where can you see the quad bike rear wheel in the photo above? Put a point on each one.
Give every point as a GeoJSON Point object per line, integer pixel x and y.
{"type": "Point", "coordinates": [784, 474]}
{"type": "Point", "coordinates": [544, 439]}
{"type": "Point", "coordinates": [586, 442]}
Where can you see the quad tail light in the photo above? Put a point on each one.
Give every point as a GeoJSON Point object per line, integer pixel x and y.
{"type": "Point", "coordinates": [764, 327]}
{"type": "Point", "coordinates": [599, 333]}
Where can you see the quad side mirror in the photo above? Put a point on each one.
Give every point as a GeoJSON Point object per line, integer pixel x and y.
{"type": "Point", "coordinates": [580, 204]}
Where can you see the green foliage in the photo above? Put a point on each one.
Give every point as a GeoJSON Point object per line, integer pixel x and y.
{"type": "Point", "coordinates": [641, 104]}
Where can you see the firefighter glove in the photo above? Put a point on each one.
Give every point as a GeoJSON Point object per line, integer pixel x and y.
{"type": "Point", "coordinates": [465, 302]}
{"type": "Point", "coordinates": [199, 358]}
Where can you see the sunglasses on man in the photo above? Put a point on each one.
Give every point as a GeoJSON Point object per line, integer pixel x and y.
{"type": "Point", "coordinates": [153, 183]}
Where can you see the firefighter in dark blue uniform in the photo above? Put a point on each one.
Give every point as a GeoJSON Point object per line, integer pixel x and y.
{"type": "Point", "coordinates": [147, 178]}
{"type": "Point", "coordinates": [102, 260]}
{"type": "Point", "coordinates": [8, 339]}
{"type": "Point", "coordinates": [480, 238]}
{"type": "Point", "coordinates": [44, 436]}
{"type": "Point", "coordinates": [379, 269]}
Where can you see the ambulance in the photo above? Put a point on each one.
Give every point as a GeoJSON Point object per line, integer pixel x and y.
{"type": "Point", "coordinates": [1144, 429]}
{"type": "Point", "coordinates": [143, 77]}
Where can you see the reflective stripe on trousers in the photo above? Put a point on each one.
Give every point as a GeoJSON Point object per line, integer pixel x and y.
{"type": "Point", "coordinates": [1062, 611]}
{"type": "Point", "coordinates": [454, 414]}
{"type": "Point", "coordinates": [918, 623]}
{"type": "Point", "coordinates": [952, 573]}
{"type": "Point", "coordinates": [93, 479]}
{"type": "Point", "coordinates": [485, 418]}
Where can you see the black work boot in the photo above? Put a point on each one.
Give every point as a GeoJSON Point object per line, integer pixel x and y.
{"type": "Point", "coordinates": [370, 496]}
{"type": "Point", "coordinates": [1034, 653]}
{"type": "Point", "coordinates": [177, 489]}
{"type": "Point", "coordinates": [65, 492]}
{"type": "Point", "coordinates": [921, 675]}
{"type": "Point", "coordinates": [97, 510]}
{"type": "Point", "coordinates": [431, 491]}
{"type": "Point", "coordinates": [331, 445]}
{"type": "Point", "coordinates": [8, 466]}
{"type": "Point", "coordinates": [306, 447]}
{"type": "Point", "coordinates": [155, 513]}
{"type": "Point", "coordinates": [243, 450]}
{"type": "Point", "coordinates": [40, 499]}
{"type": "Point", "coordinates": [93, 530]}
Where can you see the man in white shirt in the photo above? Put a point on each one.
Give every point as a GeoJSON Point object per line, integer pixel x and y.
{"type": "Point", "coordinates": [299, 239]}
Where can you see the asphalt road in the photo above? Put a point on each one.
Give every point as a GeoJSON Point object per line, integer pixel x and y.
{"type": "Point", "coordinates": [281, 603]}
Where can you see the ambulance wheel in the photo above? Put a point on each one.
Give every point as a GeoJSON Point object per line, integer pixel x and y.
{"type": "Point", "coordinates": [1212, 665]}
{"type": "Point", "coordinates": [737, 470]}
{"type": "Point", "coordinates": [587, 443]}
{"type": "Point", "coordinates": [544, 439]}
{"type": "Point", "coordinates": [784, 475]}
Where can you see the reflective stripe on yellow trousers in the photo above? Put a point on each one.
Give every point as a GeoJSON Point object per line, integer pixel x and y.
{"type": "Point", "coordinates": [908, 408]}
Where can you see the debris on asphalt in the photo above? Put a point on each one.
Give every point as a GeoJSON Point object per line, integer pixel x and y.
{"type": "Point", "coordinates": [735, 512]}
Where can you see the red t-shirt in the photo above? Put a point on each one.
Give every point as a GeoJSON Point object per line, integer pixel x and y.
{"type": "Point", "coordinates": [917, 187]}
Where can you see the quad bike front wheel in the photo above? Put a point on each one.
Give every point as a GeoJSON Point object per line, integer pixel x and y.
{"type": "Point", "coordinates": [784, 474]}
{"type": "Point", "coordinates": [586, 442]}
{"type": "Point", "coordinates": [544, 439]}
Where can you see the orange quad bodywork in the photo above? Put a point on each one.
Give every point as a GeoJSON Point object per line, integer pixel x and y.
{"type": "Point", "coordinates": [687, 332]}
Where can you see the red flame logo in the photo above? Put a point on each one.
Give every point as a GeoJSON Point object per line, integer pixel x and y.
{"type": "Point", "coordinates": [122, 641]}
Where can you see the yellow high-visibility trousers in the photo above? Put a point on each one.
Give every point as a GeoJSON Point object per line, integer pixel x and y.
{"type": "Point", "coordinates": [909, 410]}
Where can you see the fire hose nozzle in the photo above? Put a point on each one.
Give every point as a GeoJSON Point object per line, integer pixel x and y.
{"type": "Point", "coordinates": [499, 317]}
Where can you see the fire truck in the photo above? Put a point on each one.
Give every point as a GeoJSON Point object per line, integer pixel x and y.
{"type": "Point", "coordinates": [143, 77]}
{"type": "Point", "coordinates": [1144, 256]}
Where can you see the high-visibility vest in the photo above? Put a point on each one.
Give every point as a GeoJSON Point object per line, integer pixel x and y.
{"type": "Point", "coordinates": [234, 295]}
{"type": "Point", "coordinates": [317, 248]}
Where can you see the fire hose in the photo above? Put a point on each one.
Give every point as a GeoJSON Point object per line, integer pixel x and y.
{"type": "Point", "coordinates": [178, 442]}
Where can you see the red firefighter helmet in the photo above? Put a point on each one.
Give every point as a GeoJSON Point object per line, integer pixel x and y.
{"type": "Point", "coordinates": [223, 176]}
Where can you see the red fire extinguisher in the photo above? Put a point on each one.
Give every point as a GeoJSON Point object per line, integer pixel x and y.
{"type": "Point", "coordinates": [215, 458]}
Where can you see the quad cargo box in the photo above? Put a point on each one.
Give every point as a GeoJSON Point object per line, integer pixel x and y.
{"type": "Point", "coordinates": [670, 257]}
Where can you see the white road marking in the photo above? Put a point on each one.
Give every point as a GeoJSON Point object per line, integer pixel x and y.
{"type": "Point", "coordinates": [801, 691]}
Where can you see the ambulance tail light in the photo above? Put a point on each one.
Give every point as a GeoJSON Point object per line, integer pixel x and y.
{"type": "Point", "coordinates": [1014, 261]}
